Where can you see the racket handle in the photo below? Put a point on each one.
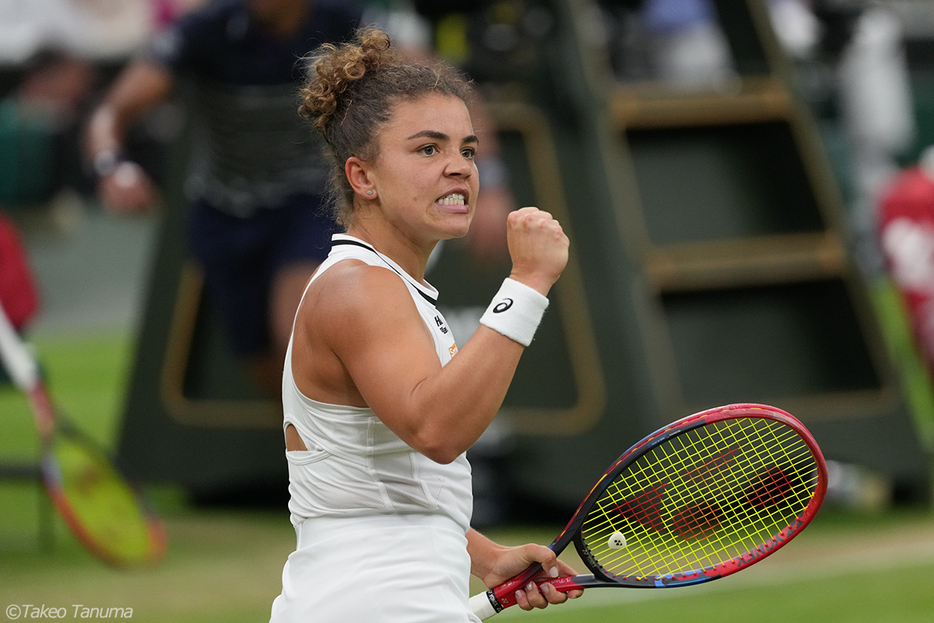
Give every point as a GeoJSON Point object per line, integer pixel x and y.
{"type": "Point", "coordinates": [493, 601]}
{"type": "Point", "coordinates": [481, 605]}
{"type": "Point", "coordinates": [16, 358]}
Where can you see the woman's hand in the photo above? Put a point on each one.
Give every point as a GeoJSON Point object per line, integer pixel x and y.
{"type": "Point", "coordinates": [494, 564]}
{"type": "Point", "coordinates": [538, 248]}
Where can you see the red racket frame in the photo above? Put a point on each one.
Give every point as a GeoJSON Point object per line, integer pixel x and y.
{"type": "Point", "coordinates": [503, 596]}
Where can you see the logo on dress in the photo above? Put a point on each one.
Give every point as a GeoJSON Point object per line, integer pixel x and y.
{"type": "Point", "coordinates": [440, 322]}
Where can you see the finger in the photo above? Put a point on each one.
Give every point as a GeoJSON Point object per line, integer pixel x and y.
{"type": "Point", "coordinates": [553, 595]}
{"type": "Point", "coordinates": [534, 595]}
{"type": "Point", "coordinates": [522, 600]}
{"type": "Point", "coordinates": [547, 557]}
{"type": "Point", "coordinates": [128, 175]}
{"type": "Point", "coordinates": [527, 215]}
{"type": "Point", "coordinates": [527, 210]}
{"type": "Point", "coordinates": [550, 564]}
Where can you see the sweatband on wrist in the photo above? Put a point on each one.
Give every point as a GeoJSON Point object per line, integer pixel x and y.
{"type": "Point", "coordinates": [516, 311]}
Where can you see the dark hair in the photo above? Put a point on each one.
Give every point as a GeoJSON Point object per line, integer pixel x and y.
{"type": "Point", "coordinates": [349, 93]}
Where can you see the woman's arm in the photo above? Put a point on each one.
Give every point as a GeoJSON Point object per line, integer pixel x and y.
{"type": "Point", "coordinates": [361, 341]}
{"type": "Point", "coordinates": [123, 186]}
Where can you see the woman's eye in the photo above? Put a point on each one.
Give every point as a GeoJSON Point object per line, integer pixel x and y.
{"type": "Point", "coordinates": [429, 150]}
{"type": "Point", "coordinates": [469, 153]}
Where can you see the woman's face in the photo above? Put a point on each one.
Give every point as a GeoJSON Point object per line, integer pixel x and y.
{"type": "Point", "coordinates": [424, 174]}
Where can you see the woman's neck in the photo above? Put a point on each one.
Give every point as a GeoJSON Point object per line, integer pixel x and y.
{"type": "Point", "coordinates": [409, 256]}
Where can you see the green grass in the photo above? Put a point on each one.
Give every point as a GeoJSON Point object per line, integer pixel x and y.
{"type": "Point", "coordinates": [85, 375]}
{"type": "Point", "coordinates": [225, 566]}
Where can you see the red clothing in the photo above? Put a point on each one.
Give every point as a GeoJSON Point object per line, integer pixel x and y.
{"type": "Point", "coordinates": [18, 293]}
{"type": "Point", "coordinates": [906, 234]}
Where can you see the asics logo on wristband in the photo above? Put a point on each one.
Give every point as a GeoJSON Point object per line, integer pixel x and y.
{"type": "Point", "coordinates": [503, 306]}
{"type": "Point", "coordinates": [520, 323]}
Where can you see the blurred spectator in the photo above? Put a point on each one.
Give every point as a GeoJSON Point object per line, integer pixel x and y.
{"type": "Point", "coordinates": [687, 46]}
{"type": "Point", "coordinates": [906, 236]}
{"type": "Point", "coordinates": [18, 294]}
{"type": "Point", "coordinates": [51, 58]}
{"type": "Point", "coordinates": [93, 31]}
{"type": "Point", "coordinates": [256, 172]}
{"type": "Point", "coordinates": [862, 42]}
{"type": "Point", "coordinates": [675, 42]}
{"type": "Point", "coordinates": [852, 61]}
{"type": "Point", "coordinates": [797, 28]}
{"type": "Point", "coordinates": [878, 117]}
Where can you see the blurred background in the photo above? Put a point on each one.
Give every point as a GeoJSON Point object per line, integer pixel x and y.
{"type": "Point", "coordinates": [749, 193]}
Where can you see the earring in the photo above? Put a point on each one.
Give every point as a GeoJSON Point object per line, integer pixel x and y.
{"type": "Point", "coordinates": [369, 192]}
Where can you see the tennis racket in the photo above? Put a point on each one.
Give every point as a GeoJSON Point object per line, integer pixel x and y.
{"type": "Point", "coordinates": [697, 500]}
{"type": "Point", "coordinates": [106, 514]}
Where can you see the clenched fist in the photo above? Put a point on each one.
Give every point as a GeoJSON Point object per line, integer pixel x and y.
{"type": "Point", "coordinates": [538, 247]}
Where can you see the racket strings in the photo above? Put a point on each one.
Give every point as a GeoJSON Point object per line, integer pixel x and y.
{"type": "Point", "coordinates": [705, 516]}
{"type": "Point", "coordinates": [712, 515]}
{"type": "Point", "coordinates": [713, 493]}
{"type": "Point", "coordinates": [753, 518]}
{"type": "Point", "coordinates": [104, 508]}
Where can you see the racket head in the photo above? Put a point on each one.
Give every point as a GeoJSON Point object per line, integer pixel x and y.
{"type": "Point", "coordinates": [108, 515]}
{"type": "Point", "coordinates": [700, 499]}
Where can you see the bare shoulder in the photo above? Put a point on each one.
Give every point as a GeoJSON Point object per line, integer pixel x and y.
{"type": "Point", "coordinates": [351, 290]}
{"type": "Point", "coordinates": [342, 318]}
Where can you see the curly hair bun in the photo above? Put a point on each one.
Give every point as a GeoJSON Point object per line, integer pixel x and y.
{"type": "Point", "coordinates": [334, 68]}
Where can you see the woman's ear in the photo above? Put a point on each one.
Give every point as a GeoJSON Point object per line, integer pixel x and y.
{"type": "Point", "coordinates": [358, 174]}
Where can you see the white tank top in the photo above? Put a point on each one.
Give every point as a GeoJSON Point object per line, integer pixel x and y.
{"type": "Point", "coordinates": [355, 465]}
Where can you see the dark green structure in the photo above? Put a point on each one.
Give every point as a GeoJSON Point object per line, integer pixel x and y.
{"type": "Point", "coordinates": [709, 266]}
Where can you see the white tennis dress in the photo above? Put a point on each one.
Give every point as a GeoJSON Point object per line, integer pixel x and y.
{"type": "Point", "coordinates": [380, 527]}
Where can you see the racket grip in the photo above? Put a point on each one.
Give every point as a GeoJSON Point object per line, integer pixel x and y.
{"type": "Point", "coordinates": [493, 601]}
{"type": "Point", "coordinates": [481, 605]}
{"type": "Point", "coordinates": [15, 356]}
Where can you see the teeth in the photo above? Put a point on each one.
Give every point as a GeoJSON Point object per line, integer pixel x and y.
{"type": "Point", "coordinates": [454, 199]}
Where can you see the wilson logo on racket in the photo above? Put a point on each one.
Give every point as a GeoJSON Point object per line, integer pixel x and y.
{"type": "Point", "coordinates": [691, 522]}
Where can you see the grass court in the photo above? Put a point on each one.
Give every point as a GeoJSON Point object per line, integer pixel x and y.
{"type": "Point", "coordinates": [225, 565]}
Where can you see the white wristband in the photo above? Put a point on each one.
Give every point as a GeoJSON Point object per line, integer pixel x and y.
{"type": "Point", "coordinates": [516, 311]}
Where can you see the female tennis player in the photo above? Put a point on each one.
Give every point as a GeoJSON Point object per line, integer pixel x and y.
{"type": "Point", "coordinates": [380, 404]}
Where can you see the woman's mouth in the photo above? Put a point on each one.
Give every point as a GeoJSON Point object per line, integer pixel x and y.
{"type": "Point", "coordinates": [455, 203]}
{"type": "Point", "coordinates": [454, 199]}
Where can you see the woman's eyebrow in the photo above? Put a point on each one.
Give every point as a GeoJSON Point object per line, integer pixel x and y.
{"type": "Point", "coordinates": [441, 136]}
